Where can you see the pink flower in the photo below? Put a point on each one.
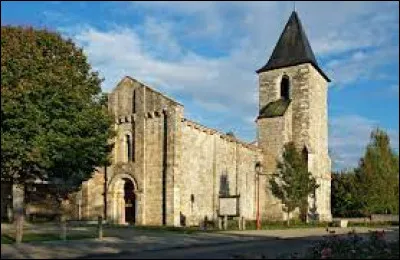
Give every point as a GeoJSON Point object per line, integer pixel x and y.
{"type": "Point", "coordinates": [380, 235]}
{"type": "Point", "coordinates": [326, 252]}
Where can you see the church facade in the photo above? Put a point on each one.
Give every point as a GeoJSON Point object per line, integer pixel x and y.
{"type": "Point", "coordinates": [169, 170]}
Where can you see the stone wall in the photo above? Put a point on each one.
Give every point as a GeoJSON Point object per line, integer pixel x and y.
{"type": "Point", "coordinates": [273, 134]}
{"type": "Point", "coordinates": [304, 123]}
{"type": "Point", "coordinates": [92, 195]}
{"type": "Point", "coordinates": [318, 129]}
{"type": "Point", "coordinates": [150, 119]}
{"type": "Point", "coordinates": [207, 156]}
{"type": "Point", "coordinates": [154, 170]}
{"type": "Point", "coordinates": [175, 158]}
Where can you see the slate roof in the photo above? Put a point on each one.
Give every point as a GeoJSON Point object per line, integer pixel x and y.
{"type": "Point", "coordinates": [292, 48]}
{"type": "Point", "coordinates": [275, 108]}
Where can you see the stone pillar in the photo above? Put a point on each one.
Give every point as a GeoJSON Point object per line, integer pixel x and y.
{"type": "Point", "coordinates": [18, 199]}
{"type": "Point", "coordinates": [9, 212]}
{"type": "Point", "coordinates": [100, 227]}
{"type": "Point", "coordinates": [219, 223]}
{"type": "Point", "coordinates": [19, 227]}
{"type": "Point", "coordinates": [177, 204]}
{"type": "Point", "coordinates": [79, 201]}
{"type": "Point", "coordinates": [121, 207]}
{"type": "Point", "coordinates": [111, 207]}
{"type": "Point", "coordinates": [139, 208]}
{"type": "Point", "coordinates": [63, 224]}
{"type": "Point", "coordinates": [225, 222]}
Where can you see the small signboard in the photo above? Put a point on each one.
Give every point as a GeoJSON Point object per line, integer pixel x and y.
{"type": "Point", "coordinates": [229, 206]}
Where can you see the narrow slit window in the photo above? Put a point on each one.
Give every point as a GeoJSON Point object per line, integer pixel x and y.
{"type": "Point", "coordinates": [285, 85]}
{"type": "Point", "coordinates": [129, 147]}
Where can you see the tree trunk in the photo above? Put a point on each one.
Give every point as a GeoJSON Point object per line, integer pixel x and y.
{"type": "Point", "coordinates": [18, 208]}
{"type": "Point", "coordinates": [288, 218]}
{"type": "Point", "coordinates": [63, 221]}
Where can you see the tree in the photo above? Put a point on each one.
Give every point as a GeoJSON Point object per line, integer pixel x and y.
{"type": "Point", "coordinates": [345, 194]}
{"type": "Point", "coordinates": [292, 183]}
{"type": "Point", "coordinates": [378, 175]}
{"type": "Point", "coordinates": [55, 126]}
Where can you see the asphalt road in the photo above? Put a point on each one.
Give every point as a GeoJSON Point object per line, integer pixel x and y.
{"type": "Point", "coordinates": [253, 249]}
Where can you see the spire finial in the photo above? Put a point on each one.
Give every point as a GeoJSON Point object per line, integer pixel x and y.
{"type": "Point", "coordinates": [294, 6]}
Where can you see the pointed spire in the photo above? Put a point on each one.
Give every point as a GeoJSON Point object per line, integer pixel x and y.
{"type": "Point", "coordinates": [292, 48]}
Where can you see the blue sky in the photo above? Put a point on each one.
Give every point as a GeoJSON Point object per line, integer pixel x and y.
{"type": "Point", "coordinates": [204, 54]}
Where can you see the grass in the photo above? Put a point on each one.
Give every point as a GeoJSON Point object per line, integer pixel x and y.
{"type": "Point", "coordinates": [273, 225]}
{"type": "Point", "coordinates": [185, 230]}
{"type": "Point", "coordinates": [250, 225]}
{"type": "Point", "coordinates": [232, 225]}
{"type": "Point", "coordinates": [33, 237]}
{"type": "Point", "coordinates": [5, 239]}
{"type": "Point", "coordinates": [374, 224]}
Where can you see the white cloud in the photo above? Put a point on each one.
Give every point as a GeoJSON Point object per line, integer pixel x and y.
{"type": "Point", "coordinates": [359, 65]}
{"type": "Point", "coordinates": [209, 80]}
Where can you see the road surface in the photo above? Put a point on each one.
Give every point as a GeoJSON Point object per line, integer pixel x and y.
{"type": "Point", "coordinates": [251, 249]}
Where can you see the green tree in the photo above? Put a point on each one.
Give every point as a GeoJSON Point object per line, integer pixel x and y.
{"type": "Point", "coordinates": [344, 196]}
{"type": "Point", "coordinates": [292, 183]}
{"type": "Point", "coordinates": [378, 175]}
{"type": "Point", "coordinates": [55, 126]}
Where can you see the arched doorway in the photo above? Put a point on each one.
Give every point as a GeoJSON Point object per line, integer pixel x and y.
{"type": "Point", "coordinates": [130, 202]}
{"type": "Point", "coordinates": [122, 200]}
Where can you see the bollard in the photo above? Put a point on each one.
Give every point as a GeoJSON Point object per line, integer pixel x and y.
{"type": "Point", "coordinates": [219, 223]}
{"type": "Point", "coordinates": [243, 223]}
{"type": "Point", "coordinates": [63, 235]}
{"type": "Point", "coordinates": [100, 227]}
{"type": "Point", "coordinates": [19, 224]}
{"type": "Point", "coordinates": [239, 221]}
{"type": "Point", "coordinates": [225, 222]}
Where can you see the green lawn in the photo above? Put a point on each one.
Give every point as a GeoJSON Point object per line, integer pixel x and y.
{"type": "Point", "coordinates": [32, 237]}
{"type": "Point", "coordinates": [185, 230]}
{"type": "Point", "coordinates": [376, 224]}
{"type": "Point", "coordinates": [232, 225]}
{"type": "Point", "coordinates": [5, 239]}
{"type": "Point", "coordinates": [250, 225]}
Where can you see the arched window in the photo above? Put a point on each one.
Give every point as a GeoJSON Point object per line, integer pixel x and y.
{"type": "Point", "coordinates": [285, 84]}
{"type": "Point", "coordinates": [128, 147]}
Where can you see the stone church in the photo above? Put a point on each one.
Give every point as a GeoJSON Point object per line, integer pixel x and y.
{"type": "Point", "coordinates": [169, 170]}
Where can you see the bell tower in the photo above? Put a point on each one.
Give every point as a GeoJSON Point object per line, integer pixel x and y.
{"type": "Point", "coordinates": [293, 107]}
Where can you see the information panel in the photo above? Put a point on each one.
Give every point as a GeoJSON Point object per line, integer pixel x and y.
{"type": "Point", "coordinates": [229, 206]}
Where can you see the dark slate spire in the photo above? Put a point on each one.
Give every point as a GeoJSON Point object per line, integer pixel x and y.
{"type": "Point", "coordinates": [292, 48]}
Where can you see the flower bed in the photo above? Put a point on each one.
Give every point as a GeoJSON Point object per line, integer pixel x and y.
{"type": "Point", "coordinates": [353, 246]}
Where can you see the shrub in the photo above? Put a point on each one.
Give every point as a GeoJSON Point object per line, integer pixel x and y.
{"type": "Point", "coordinates": [353, 246]}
